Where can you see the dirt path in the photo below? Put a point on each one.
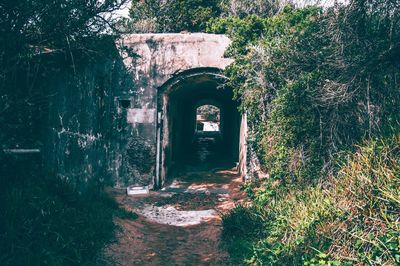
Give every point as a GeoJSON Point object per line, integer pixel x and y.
{"type": "Point", "coordinates": [180, 225]}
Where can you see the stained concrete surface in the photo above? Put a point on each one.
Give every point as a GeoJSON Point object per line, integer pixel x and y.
{"type": "Point", "coordinates": [96, 123]}
{"type": "Point", "coordinates": [158, 59]}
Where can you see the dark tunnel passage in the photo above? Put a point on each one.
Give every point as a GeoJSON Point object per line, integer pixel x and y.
{"type": "Point", "coordinates": [185, 147]}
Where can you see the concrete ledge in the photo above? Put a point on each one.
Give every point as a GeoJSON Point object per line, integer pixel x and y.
{"type": "Point", "coordinates": [21, 151]}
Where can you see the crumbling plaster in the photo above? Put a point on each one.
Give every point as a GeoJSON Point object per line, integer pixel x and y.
{"type": "Point", "coordinates": [152, 60]}
{"type": "Point", "coordinates": [101, 119]}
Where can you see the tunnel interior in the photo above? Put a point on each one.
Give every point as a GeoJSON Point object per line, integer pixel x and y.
{"type": "Point", "coordinates": [186, 147]}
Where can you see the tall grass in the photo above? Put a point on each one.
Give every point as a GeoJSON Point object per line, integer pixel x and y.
{"type": "Point", "coordinates": [352, 218]}
{"type": "Point", "coordinates": [367, 195]}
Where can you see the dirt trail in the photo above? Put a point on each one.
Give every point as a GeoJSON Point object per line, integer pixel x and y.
{"type": "Point", "coordinates": [180, 225]}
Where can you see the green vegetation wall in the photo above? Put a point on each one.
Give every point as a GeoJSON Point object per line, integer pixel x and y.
{"type": "Point", "coordinates": [321, 91]}
{"type": "Point", "coordinates": [190, 15]}
{"type": "Point", "coordinates": [314, 82]}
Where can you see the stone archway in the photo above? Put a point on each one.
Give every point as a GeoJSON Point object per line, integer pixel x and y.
{"type": "Point", "coordinates": [178, 99]}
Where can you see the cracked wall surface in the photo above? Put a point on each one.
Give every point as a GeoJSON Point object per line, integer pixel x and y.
{"type": "Point", "coordinates": [96, 122]}
{"type": "Point", "coordinates": [82, 123]}
{"type": "Point", "coordinates": [157, 59]}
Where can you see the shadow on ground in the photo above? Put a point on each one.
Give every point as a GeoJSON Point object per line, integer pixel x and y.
{"type": "Point", "coordinates": [179, 225]}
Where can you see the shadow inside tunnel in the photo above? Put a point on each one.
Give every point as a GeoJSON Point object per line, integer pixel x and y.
{"type": "Point", "coordinates": [207, 153]}
{"type": "Point", "coordinates": [189, 140]}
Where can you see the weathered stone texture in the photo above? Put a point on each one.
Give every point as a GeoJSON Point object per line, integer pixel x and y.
{"type": "Point", "coordinates": [159, 57]}
{"type": "Point", "coordinates": [82, 124]}
{"type": "Point", "coordinates": [95, 121]}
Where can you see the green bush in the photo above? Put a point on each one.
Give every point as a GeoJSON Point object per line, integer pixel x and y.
{"type": "Point", "coordinates": [240, 226]}
{"type": "Point", "coordinates": [171, 16]}
{"type": "Point", "coordinates": [352, 218]}
{"type": "Point", "coordinates": [44, 222]}
{"type": "Point", "coordinates": [315, 83]}
{"type": "Point", "coordinates": [290, 217]}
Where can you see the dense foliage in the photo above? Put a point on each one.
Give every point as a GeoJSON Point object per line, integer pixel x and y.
{"type": "Point", "coordinates": [349, 219]}
{"type": "Point", "coordinates": [171, 16]}
{"type": "Point", "coordinates": [243, 8]}
{"type": "Point", "coordinates": [31, 27]}
{"type": "Point", "coordinates": [209, 112]}
{"type": "Point", "coordinates": [190, 15]}
{"type": "Point", "coordinates": [44, 222]}
{"type": "Point", "coordinates": [315, 82]}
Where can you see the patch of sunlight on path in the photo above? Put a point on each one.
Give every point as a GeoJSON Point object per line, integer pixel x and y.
{"type": "Point", "coordinates": [171, 216]}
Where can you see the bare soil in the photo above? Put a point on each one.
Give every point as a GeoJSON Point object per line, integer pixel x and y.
{"type": "Point", "coordinates": [180, 225]}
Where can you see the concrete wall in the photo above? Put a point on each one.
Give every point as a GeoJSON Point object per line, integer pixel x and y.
{"type": "Point", "coordinates": [243, 162]}
{"type": "Point", "coordinates": [66, 111]}
{"type": "Point", "coordinates": [95, 121]}
{"type": "Point", "coordinates": [84, 122]}
{"type": "Point", "coordinates": [159, 57]}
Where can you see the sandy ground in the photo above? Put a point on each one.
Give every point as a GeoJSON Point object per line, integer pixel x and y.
{"type": "Point", "coordinates": [179, 225]}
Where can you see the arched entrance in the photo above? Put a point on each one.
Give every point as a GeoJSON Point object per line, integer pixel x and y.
{"type": "Point", "coordinates": [180, 146]}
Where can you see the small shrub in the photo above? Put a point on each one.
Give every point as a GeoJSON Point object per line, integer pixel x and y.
{"type": "Point", "coordinates": [241, 222]}
{"type": "Point", "coordinates": [240, 227]}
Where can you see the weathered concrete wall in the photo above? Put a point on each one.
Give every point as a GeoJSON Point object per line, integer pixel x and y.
{"type": "Point", "coordinates": [62, 114]}
{"type": "Point", "coordinates": [84, 123]}
{"type": "Point", "coordinates": [243, 162]}
{"type": "Point", "coordinates": [95, 121]}
{"type": "Point", "coordinates": [23, 119]}
{"type": "Point", "coordinates": [99, 123]}
{"type": "Point", "coordinates": [159, 58]}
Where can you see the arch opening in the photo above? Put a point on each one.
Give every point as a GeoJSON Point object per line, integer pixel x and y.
{"type": "Point", "coordinates": [207, 118]}
{"type": "Point", "coordinates": [184, 145]}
